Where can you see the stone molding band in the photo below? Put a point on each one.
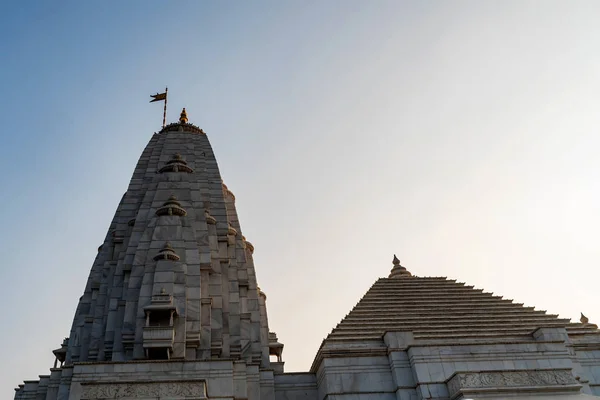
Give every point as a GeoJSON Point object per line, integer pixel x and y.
{"type": "Point", "coordinates": [189, 390]}
{"type": "Point", "coordinates": [501, 381]}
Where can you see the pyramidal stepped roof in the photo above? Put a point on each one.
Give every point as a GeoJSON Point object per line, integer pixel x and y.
{"type": "Point", "coordinates": [441, 308]}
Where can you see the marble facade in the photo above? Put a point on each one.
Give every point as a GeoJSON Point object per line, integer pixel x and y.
{"type": "Point", "coordinates": [172, 310]}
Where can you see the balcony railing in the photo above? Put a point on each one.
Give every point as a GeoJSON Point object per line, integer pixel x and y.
{"type": "Point", "coordinates": [158, 336]}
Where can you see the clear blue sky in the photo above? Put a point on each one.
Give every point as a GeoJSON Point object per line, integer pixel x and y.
{"type": "Point", "coordinates": [461, 135]}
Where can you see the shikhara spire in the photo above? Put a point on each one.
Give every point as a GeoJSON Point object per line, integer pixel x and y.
{"type": "Point", "coordinates": [175, 278]}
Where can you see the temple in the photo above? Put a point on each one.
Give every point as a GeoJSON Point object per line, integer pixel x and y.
{"type": "Point", "coordinates": [172, 310]}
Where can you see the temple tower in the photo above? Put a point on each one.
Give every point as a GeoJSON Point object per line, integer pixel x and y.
{"type": "Point", "coordinates": [173, 282]}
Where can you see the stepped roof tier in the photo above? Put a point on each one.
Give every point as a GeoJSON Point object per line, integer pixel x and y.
{"type": "Point", "coordinates": [438, 307]}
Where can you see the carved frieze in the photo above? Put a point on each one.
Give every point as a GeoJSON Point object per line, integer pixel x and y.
{"type": "Point", "coordinates": [551, 380]}
{"type": "Point", "coordinates": [187, 390]}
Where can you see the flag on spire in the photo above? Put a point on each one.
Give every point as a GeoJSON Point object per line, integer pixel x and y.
{"type": "Point", "coordinates": [158, 97]}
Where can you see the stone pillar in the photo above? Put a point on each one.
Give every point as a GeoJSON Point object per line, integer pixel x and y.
{"type": "Point", "coordinates": [53, 383]}
{"type": "Point", "coordinates": [402, 371]}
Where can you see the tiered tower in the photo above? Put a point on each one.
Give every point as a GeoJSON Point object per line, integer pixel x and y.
{"type": "Point", "coordinates": [172, 291]}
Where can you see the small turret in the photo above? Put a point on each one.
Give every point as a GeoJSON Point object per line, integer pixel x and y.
{"type": "Point", "coordinates": [166, 253]}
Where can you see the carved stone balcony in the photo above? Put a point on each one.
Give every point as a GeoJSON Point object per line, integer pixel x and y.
{"type": "Point", "coordinates": [158, 336]}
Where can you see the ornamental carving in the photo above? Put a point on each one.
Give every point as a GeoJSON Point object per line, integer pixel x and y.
{"type": "Point", "coordinates": [166, 253]}
{"type": "Point", "coordinates": [176, 164]}
{"type": "Point", "coordinates": [191, 390]}
{"type": "Point", "coordinates": [209, 218]}
{"type": "Point", "coordinates": [502, 380]}
{"type": "Point", "coordinates": [171, 207]}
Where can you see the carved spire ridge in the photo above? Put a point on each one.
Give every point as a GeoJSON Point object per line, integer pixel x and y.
{"type": "Point", "coordinates": [398, 271]}
{"type": "Point", "coordinates": [183, 118]}
{"type": "Point", "coordinates": [584, 319]}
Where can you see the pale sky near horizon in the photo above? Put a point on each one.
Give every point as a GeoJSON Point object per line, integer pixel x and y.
{"type": "Point", "coordinates": [460, 135]}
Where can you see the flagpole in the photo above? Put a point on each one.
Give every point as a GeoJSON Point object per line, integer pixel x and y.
{"type": "Point", "coordinates": [165, 109]}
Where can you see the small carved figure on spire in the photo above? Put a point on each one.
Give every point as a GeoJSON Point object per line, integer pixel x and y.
{"type": "Point", "coordinates": [584, 319]}
{"type": "Point", "coordinates": [183, 119]}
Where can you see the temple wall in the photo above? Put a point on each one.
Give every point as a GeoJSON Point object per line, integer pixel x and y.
{"type": "Point", "coordinates": [410, 369]}
{"type": "Point", "coordinates": [296, 386]}
{"type": "Point", "coordinates": [399, 367]}
{"type": "Point", "coordinates": [588, 362]}
{"type": "Point", "coordinates": [224, 379]}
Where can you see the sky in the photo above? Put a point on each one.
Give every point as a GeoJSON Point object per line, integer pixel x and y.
{"type": "Point", "coordinates": [460, 135]}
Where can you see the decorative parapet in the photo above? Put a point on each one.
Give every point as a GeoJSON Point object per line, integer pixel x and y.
{"type": "Point", "coordinates": [172, 389]}
{"type": "Point", "coordinates": [471, 383]}
{"type": "Point", "coordinates": [162, 298]}
{"type": "Point", "coordinates": [158, 336]}
{"type": "Point", "coordinates": [171, 207]}
{"type": "Point", "coordinates": [184, 127]}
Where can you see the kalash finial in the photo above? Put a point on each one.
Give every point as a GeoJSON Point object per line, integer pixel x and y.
{"type": "Point", "coordinates": [183, 119]}
{"type": "Point", "coordinates": [398, 271]}
{"type": "Point", "coordinates": [584, 319]}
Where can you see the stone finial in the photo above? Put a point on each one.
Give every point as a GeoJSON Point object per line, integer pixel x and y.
{"type": "Point", "coordinates": [584, 319]}
{"type": "Point", "coordinates": [398, 271]}
{"type": "Point", "coordinates": [183, 116]}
